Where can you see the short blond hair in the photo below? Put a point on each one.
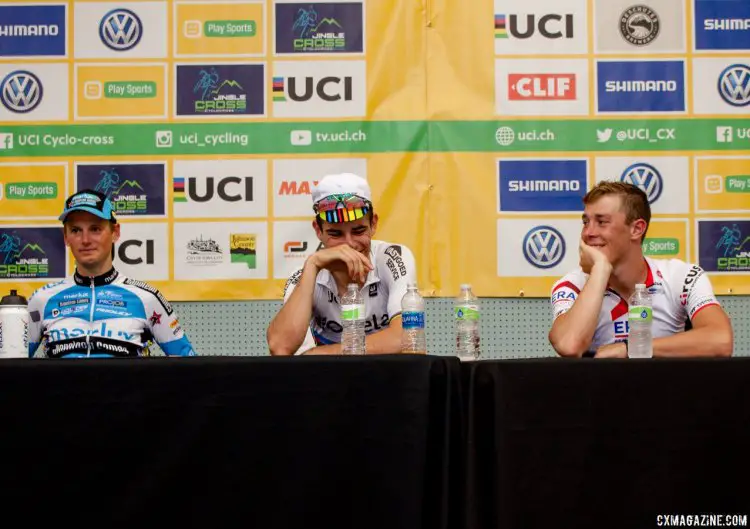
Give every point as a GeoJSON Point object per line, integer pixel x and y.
{"type": "Point", "coordinates": [634, 201]}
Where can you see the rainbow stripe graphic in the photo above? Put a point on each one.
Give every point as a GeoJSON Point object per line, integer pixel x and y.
{"type": "Point", "coordinates": [179, 190]}
{"type": "Point", "coordinates": [500, 31]}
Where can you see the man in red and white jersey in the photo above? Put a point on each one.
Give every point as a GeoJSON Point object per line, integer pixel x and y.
{"type": "Point", "coordinates": [590, 304]}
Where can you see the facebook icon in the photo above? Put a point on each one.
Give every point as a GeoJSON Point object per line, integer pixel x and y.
{"type": "Point", "coordinates": [6, 141]}
{"type": "Point", "coordinates": [724, 134]}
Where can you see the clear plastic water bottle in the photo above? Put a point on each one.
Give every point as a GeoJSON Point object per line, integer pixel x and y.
{"type": "Point", "coordinates": [640, 317]}
{"type": "Point", "coordinates": [353, 321]}
{"type": "Point", "coordinates": [466, 312]}
{"type": "Point", "coordinates": [412, 322]}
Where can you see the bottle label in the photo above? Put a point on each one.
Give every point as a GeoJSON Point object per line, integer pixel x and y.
{"type": "Point", "coordinates": [352, 312]}
{"type": "Point", "coordinates": [412, 320]}
{"type": "Point", "coordinates": [467, 313]}
{"type": "Point", "coordinates": [640, 313]}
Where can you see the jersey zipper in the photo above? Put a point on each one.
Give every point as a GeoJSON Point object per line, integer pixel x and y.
{"type": "Point", "coordinates": [91, 317]}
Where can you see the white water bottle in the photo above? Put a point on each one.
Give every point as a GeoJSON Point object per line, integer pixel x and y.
{"type": "Point", "coordinates": [640, 318]}
{"type": "Point", "coordinates": [14, 326]}
{"type": "Point", "coordinates": [353, 321]}
{"type": "Point", "coordinates": [466, 312]}
{"type": "Point", "coordinates": [412, 322]}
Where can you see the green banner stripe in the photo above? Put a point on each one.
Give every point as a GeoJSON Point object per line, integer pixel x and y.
{"type": "Point", "coordinates": [497, 136]}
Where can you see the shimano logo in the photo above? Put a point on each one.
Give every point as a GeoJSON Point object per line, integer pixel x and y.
{"type": "Point", "coordinates": [544, 247]}
{"type": "Point", "coordinates": [726, 24]}
{"type": "Point", "coordinates": [544, 185]}
{"type": "Point", "coordinates": [120, 29]}
{"type": "Point", "coordinates": [734, 85]}
{"type": "Point", "coordinates": [646, 177]}
{"type": "Point", "coordinates": [641, 86]}
{"type": "Point", "coordinates": [21, 91]}
{"type": "Point", "coordinates": [29, 30]}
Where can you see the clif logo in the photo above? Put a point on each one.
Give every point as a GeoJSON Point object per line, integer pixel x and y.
{"type": "Point", "coordinates": [541, 87]}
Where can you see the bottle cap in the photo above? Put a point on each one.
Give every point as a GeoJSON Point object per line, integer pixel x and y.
{"type": "Point", "coordinates": [640, 285]}
{"type": "Point", "coordinates": [13, 299]}
{"type": "Point", "coordinates": [465, 286]}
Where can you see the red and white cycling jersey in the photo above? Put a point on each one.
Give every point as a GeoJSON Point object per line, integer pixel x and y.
{"type": "Point", "coordinates": [678, 289]}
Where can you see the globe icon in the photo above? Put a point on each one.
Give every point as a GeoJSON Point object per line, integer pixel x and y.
{"type": "Point", "coordinates": [505, 136]}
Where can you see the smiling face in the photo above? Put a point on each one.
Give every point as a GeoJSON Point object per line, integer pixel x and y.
{"type": "Point", "coordinates": [606, 227]}
{"type": "Point", "coordinates": [90, 238]}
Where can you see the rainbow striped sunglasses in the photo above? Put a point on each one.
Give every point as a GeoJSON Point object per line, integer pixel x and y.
{"type": "Point", "coordinates": [342, 208]}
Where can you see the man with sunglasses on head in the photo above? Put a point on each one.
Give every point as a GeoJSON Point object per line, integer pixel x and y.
{"type": "Point", "coordinates": [98, 312]}
{"type": "Point", "coordinates": [310, 319]}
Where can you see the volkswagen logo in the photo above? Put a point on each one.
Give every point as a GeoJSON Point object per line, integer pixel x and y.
{"type": "Point", "coordinates": [544, 247]}
{"type": "Point", "coordinates": [120, 29]}
{"type": "Point", "coordinates": [21, 91]}
{"type": "Point", "coordinates": [646, 177]}
{"type": "Point", "coordinates": [734, 85]}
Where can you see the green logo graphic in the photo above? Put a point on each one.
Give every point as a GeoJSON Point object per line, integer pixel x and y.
{"type": "Point", "coordinates": [661, 246]}
{"type": "Point", "coordinates": [737, 184]}
{"type": "Point", "coordinates": [242, 249]}
{"type": "Point", "coordinates": [230, 28]}
{"type": "Point", "coordinates": [352, 312]}
{"type": "Point", "coordinates": [466, 313]}
{"type": "Point", "coordinates": [637, 313]}
{"type": "Point", "coordinates": [129, 89]}
{"type": "Point", "coordinates": [31, 190]}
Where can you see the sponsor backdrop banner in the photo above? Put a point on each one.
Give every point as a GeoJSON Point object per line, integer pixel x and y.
{"type": "Point", "coordinates": [480, 127]}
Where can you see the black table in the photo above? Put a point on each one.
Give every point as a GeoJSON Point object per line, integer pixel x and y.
{"type": "Point", "coordinates": [605, 443]}
{"type": "Point", "coordinates": [355, 442]}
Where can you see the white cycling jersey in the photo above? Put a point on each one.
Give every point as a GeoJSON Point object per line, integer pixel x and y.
{"type": "Point", "coordinates": [679, 290]}
{"type": "Point", "coordinates": [103, 316]}
{"type": "Point", "coordinates": [394, 268]}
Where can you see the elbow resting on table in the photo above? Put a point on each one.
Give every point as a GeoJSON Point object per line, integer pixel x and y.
{"type": "Point", "coordinates": [277, 346]}
{"type": "Point", "coordinates": [568, 346]}
{"type": "Point", "coordinates": [724, 344]}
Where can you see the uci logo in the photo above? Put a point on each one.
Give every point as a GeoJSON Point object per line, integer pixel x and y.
{"type": "Point", "coordinates": [241, 189]}
{"type": "Point", "coordinates": [734, 85]}
{"type": "Point", "coordinates": [120, 29]}
{"type": "Point", "coordinates": [328, 89]}
{"type": "Point", "coordinates": [646, 177]}
{"type": "Point", "coordinates": [21, 91]}
{"type": "Point", "coordinates": [551, 26]}
{"type": "Point", "coordinates": [135, 257]}
{"type": "Point", "coordinates": [544, 247]}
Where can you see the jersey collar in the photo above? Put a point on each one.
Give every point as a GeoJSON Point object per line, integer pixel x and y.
{"type": "Point", "coordinates": [104, 279]}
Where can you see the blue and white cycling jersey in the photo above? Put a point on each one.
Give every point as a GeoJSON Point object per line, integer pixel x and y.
{"type": "Point", "coordinates": [104, 316]}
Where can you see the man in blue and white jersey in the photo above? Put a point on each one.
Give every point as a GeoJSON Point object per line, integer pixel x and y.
{"type": "Point", "coordinates": [98, 312]}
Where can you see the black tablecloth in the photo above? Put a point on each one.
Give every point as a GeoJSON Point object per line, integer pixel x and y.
{"type": "Point", "coordinates": [355, 442]}
{"type": "Point", "coordinates": [605, 444]}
